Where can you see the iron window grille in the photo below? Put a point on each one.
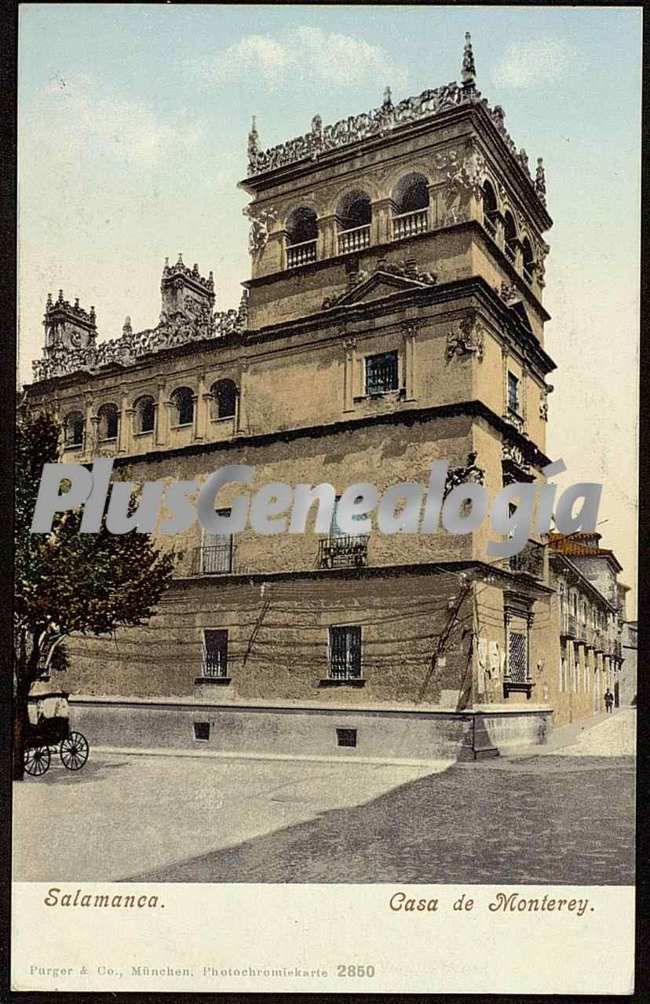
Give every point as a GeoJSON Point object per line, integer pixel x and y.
{"type": "Point", "coordinates": [513, 393]}
{"type": "Point", "coordinates": [345, 652]}
{"type": "Point", "coordinates": [517, 657]}
{"type": "Point", "coordinates": [381, 373]}
{"type": "Point", "coordinates": [215, 652]}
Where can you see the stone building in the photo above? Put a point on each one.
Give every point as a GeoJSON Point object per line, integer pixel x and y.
{"type": "Point", "coordinates": [393, 317]}
{"type": "Point", "coordinates": [591, 612]}
{"type": "Point", "coordinates": [628, 683]}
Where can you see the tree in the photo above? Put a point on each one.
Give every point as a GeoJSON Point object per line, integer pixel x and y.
{"type": "Point", "coordinates": [68, 582]}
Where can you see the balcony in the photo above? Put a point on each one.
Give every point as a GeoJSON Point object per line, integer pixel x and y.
{"type": "Point", "coordinates": [530, 560]}
{"type": "Point", "coordinates": [355, 239]}
{"type": "Point", "coordinates": [344, 551]}
{"type": "Point", "coordinates": [490, 227]}
{"type": "Point", "coordinates": [568, 628]}
{"type": "Point", "coordinates": [218, 559]}
{"type": "Point", "coordinates": [301, 254]}
{"type": "Point", "coordinates": [409, 224]}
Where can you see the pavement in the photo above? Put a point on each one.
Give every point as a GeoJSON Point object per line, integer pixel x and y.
{"type": "Point", "coordinates": [561, 815]}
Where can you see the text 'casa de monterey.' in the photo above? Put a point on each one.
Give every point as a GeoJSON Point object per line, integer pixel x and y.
{"type": "Point", "coordinates": [393, 317]}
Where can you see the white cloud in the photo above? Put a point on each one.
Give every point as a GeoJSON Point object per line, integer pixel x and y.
{"type": "Point", "coordinates": [306, 54]}
{"type": "Point", "coordinates": [540, 61]}
{"type": "Point", "coordinates": [77, 120]}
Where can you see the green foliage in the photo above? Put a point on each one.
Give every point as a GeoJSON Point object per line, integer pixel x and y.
{"type": "Point", "coordinates": [67, 581]}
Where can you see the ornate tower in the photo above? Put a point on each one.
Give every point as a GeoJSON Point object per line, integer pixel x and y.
{"type": "Point", "coordinates": [185, 293]}
{"type": "Point", "coordinates": [68, 327]}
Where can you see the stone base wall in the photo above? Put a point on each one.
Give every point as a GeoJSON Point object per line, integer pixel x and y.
{"type": "Point", "coordinates": [303, 731]}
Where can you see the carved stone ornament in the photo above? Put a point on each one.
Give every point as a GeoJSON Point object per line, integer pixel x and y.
{"type": "Point", "coordinates": [513, 456]}
{"type": "Point", "coordinates": [261, 222]}
{"type": "Point", "coordinates": [508, 293]}
{"type": "Point", "coordinates": [466, 338]}
{"type": "Point", "coordinates": [461, 475]}
{"type": "Point", "coordinates": [543, 402]}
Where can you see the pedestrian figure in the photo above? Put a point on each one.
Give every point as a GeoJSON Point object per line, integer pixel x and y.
{"type": "Point", "coordinates": [609, 701]}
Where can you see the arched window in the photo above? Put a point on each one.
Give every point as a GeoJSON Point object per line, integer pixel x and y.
{"type": "Point", "coordinates": [74, 429]}
{"type": "Point", "coordinates": [411, 198]}
{"type": "Point", "coordinates": [510, 234]}
{"type": "Point", "coordinates": [224, 394]}
{"type": "Point", "coordinates": [145, 414]}
{"type": "Point", "coordinates": [354, 214]}
{"type": "Point", "coordinates": [529, 261]}
{"type": "Point", "coordinates": [490, 208]}
{"type": "Point", "coordinates": [108, 421]}
{"type": "Point", "coordinates": [302, 233]}
{"type": "Point", "coordinates": [183, 406]}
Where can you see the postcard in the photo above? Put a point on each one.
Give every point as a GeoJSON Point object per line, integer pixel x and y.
{"type": "Point", "coordinates": [325, 623]}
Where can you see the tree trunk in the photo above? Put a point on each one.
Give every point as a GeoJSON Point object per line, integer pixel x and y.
{"type": "Point", "coordinates": [26, 673]}
{"type": "Point", "coordinates": [21, 721]}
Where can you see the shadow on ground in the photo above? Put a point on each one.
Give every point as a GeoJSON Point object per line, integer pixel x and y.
{"type": "Point", "coordinates": [559, 820]}
{"type": "Point", "coordinates": [58, 774]}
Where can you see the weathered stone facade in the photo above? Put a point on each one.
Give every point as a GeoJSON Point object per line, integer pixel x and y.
{"type": "Point", "coordinates": [393, 317]}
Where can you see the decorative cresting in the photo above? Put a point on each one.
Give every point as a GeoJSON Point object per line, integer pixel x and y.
{"type": "Point", "coordinates": [187, 315]}
{"type": "Point", "coordinates": [466, 338]}
{"type": "Point", "coordinates": [540, 181]}
{"type": "Point", "coordinates": [261, 222]}
{"type": "Point", "coordinates": [470, 471]}
{"type": "Point", "coordinates": [380, 121]}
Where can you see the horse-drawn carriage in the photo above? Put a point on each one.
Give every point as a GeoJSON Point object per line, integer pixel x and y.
{"type": "Point", "coordinates": [49, 728]}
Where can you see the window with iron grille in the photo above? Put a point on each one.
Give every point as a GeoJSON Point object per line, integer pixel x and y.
{"type": "Point", "coordinates": [517, 657]}
{"type": "Point", "coordinates": [215, 652]}
{"type": "Point", "coordinates": [381, 373]}
{"type": "Point", "coordinates": [217, 550]}
{"type": "Point", "coordinates": [346, 737]}
{"type": "Point", "coordinates": [345, 652]}
{"type": "Point", "coordinates": [513, 393]}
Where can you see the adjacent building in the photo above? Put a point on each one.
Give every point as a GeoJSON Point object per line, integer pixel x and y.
{"type": "Point", "coordinates": [393, 316]}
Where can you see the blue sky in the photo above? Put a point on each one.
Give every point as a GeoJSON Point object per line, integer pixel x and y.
{"type": "Point", "coordinates": [132, 136]}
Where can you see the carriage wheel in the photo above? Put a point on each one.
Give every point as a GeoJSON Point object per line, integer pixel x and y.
{"type": "Point", "coordinates": [74, 751]}
{"type": "Point", "coordinates": [37, 760]}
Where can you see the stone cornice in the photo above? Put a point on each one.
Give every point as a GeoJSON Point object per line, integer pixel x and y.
{"type": "Point", "coordinates": [469, 409]}
{"type": "Point", "coordinates": [448, 292]}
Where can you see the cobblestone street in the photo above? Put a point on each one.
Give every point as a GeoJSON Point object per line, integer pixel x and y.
{"type": "Point", "coordinates": [565, 815]}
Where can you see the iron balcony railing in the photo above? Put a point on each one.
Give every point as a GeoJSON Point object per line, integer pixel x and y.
{"type": "Point", "coordinates": [355, 239]}
{"type": "Point", "coordinates": [301, 254]}
{"type": "Point", "coordinates": [489, 226]}
{"type": "Point", "coordinates": [530, 560]}
{"type": "Point", "coordinates": [568, 626]}
{"type": "Point", "coordinates": [343, 551]}
{"type": "Point", "coordinates": [410, 224]}
{"type": "Point", "coordinates": [217, 559]}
